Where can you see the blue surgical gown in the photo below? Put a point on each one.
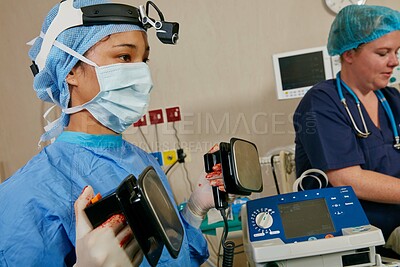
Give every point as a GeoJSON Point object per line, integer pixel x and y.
{"type": "Point", "coordinates": [326, 140]}
{"type": "Point", "coordinates": [37, 221]}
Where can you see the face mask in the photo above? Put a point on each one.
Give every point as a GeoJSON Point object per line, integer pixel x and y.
{"type": "Point", "coordinates": [124, 94]}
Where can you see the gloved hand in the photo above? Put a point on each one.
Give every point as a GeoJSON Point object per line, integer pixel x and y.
{"type": "Point", "coordinates": [393, 241]}
{"type": "Point", "coordinates": [110, 244]}
{"type": "Point", "coordinates": [201, 199]}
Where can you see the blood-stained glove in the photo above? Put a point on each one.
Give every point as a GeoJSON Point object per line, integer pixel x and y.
{"type": "Point", "coordinates": [201, 200]}
{"type": "Point", "coordinates": [110, 244]}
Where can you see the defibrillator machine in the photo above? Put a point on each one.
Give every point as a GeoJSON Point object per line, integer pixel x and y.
{"type": "Point", "coordinates": [322, 227]}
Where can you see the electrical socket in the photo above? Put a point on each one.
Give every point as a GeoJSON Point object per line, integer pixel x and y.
{"type": "Point", "coordinates": [169, 157]}
{"type": "Point", "coordinates": [141, 122]}
{"type": "Point", "coordinates": [156, 116]}
{"type": "Point", "coordinates": [173, 114]}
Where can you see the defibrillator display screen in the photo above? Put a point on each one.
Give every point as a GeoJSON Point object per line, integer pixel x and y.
{"type": "Point", "coordinates": [306, 218]}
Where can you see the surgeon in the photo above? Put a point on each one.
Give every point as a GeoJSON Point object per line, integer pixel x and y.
{"type": "Point", "coordinates": [97, 75]}
{"type": "Point", "coordinates": [349, 126]}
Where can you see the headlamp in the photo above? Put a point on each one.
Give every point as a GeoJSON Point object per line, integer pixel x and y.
{"type": "Point", "coordinates": [110, 13]}
{"type": "Point", "coordinates": [167, 32]}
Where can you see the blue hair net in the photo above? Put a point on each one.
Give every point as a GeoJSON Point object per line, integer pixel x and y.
{"type": "Point", "coordinates": [59, 63]}
{"type": "Point", "coordinates": [358, 24]}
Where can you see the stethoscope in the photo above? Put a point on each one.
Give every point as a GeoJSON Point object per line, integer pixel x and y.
{"type": "Point", "coordinates": [381, 98]}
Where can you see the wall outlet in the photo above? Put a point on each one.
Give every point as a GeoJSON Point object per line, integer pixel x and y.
{"type": "Point", "coordinates": [141, 122]}
{"type": "Point", "coordinates": [173, 114]}
{"type": "Point", "coordinates": [169, 157]}
{"type": "Point", "coordinates": [156, 116]}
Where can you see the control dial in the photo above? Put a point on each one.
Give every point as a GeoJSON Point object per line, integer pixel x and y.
{"type": "Point", "coordinates": [264, 220]}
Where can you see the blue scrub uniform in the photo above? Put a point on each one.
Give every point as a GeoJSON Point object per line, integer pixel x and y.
{"type": "Point", "coordinates": [37, 220]}
{"type": "Point", "coordinates": [326, 139]}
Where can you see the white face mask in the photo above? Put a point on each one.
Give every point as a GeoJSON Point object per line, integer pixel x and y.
{"type": "Point", "coordinates": [124, 94]}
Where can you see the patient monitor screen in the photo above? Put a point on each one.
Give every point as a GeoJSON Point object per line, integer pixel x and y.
{"type": "Point", "coordinates": [302, 70]}
{"type": "Point", "coordinates": [306, 218]}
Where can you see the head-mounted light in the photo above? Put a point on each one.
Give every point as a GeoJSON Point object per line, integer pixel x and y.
{"type": "Point", "coordinates": [167, 32]}
{"type": "Point", "coordinates": [110, 13]}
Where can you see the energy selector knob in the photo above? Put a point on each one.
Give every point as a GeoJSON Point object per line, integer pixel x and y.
{"type": "Point", "coordinates": [264, 220]}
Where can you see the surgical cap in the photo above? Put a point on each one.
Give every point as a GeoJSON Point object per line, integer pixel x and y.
{"type": "Point", "coordinates": [359, 24]}
{"type": "Point", "coordinates": [59, 63]}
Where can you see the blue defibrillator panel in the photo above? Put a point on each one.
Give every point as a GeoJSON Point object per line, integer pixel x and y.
{"type": "Point", "coordinates": [305, 215]}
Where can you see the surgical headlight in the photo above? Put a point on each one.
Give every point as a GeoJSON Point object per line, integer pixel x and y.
{"type": "Point", "coordinates": [167, 32]}
{"type": "Point", "coordinates": [110, 13]}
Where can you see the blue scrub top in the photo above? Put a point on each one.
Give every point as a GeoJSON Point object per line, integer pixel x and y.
{"type": "Point", "coordinates": [37, 220]}
{"type": "Point", "coordinates": [326, 140]}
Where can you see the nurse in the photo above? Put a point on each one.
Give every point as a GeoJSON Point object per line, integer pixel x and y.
{"type": "Point", "coordinates": [348, 126]}
{"type": "Point", "coordinates": [97, 74]}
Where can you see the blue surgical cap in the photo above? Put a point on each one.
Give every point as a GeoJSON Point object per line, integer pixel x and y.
{"type": "Point", "coordinates": [59, 63]}
{"type": "Point", "coordinates": [359, 24]}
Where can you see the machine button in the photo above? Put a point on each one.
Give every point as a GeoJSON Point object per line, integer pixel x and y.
{"type": "Point", "coordinates": [264, 220]}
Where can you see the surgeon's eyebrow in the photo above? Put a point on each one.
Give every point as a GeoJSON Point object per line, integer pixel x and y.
{"type": "Point", "coordinates": [133, 46]}
{"type": "Point", "coordinates": [126, 45]}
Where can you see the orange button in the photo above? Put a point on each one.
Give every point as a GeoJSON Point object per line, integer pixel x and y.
{"type": "Point", "coordinates": [96, 198]}
{"type": "Point", "coordinates": [329, 236]}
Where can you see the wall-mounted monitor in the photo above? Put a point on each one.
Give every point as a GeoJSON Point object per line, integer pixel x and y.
{"type": "Point", "coordinates": [297, 71]}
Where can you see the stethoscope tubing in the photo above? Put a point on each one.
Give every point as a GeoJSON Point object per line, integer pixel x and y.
{"type": "Point", "coordinates": [360, 133]}
{"type": "Point", "coordinates": [382, 99]}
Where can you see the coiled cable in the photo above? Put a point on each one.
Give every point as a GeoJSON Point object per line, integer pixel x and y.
{"type": "Point", "coordinates": [314, 174]}
{"type": "Point", "coordinates": [229, 246]}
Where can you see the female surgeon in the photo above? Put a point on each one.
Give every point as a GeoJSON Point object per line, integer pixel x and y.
{"type": "Point", "coordinates": [348, 126]}
{"type": "Point", "coordinates": [97, 74]}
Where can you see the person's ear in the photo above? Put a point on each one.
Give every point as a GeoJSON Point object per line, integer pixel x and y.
{"type": "Point", "coordinates": [72, 77]}
{"type": "Point", "coordinates": [348, 56]}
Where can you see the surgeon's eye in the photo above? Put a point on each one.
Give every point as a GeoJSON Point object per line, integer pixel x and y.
{"type": "Point", "coordinates": [382, 53]}
{"type": "Point", "coordinates": [125, 58]}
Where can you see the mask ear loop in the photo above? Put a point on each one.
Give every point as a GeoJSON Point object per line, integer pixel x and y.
{"type": "Point", "coordinates": [75, 54]}
{"type": "Point", "coordinates": [308, 173]}
{"type": "Point", "coordinates": [66, 49]}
